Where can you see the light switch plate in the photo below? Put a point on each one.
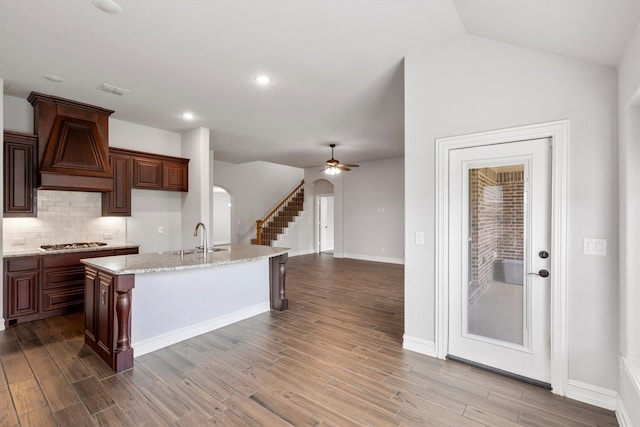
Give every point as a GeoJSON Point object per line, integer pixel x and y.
{"type": "Point", "coordinates": [419, 237]}
{"type": "Point", "coordinates": [594, 247]}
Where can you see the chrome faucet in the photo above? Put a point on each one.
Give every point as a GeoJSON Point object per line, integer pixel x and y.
{"type": "Point", "coordinates": [204, 236]}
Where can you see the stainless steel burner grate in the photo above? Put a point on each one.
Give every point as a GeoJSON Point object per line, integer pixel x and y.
{"type": "Point", "coordinates": [77, 245]}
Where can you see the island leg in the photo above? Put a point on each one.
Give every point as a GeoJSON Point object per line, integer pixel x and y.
{"type": "Point", "coordinates": [277, 275]}
{"type": "Point", "coordinates": [123, 354]}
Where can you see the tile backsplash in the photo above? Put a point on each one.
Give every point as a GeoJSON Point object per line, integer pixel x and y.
{"type": "Point", "coordinates": [63, 217]}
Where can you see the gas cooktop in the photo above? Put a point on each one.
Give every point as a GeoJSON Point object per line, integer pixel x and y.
{"type": "Point", "coordinates": [77, 245]}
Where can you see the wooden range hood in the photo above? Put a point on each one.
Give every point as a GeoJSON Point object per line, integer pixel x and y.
{"type": "Point", "coordinates": [73, 144]}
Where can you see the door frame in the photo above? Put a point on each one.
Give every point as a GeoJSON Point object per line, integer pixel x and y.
{"type": "Point", "coordinates": [317, 221]}
{"type": "Point", "coordinates": [558, 132]}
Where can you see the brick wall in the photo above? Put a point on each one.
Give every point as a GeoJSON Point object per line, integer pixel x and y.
{"type": "Point", "coordinates": [495, 224]}
{"type": "Point", "coordinates": [63, 217]}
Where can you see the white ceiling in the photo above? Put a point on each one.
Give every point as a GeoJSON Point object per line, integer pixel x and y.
{"type": "Point", "coordinates": [336, 65]}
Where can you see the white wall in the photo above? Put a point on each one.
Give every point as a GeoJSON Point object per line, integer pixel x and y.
{"type": "Point", "coordinates": [18, 115]}
{"type": "Point", "coordinates": [362, 228]}
{"type": "Point", "coordinates": [374, 211]}
{"type": "Point", "coordinates": [470, 84]}
{"type": "Point", "coordinates": [257, 188]}
{"type": "Point", "coordinates": [629, 191]}
{"type": "Point", "coordinates": [151, 211]}
{"type": "Point", "coordinates": [196, 203]}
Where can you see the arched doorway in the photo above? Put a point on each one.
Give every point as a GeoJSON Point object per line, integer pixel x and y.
{"type": "Point", "coordinates": [323, 191]}
{"type": "Point", "coordinates": [221, 216]}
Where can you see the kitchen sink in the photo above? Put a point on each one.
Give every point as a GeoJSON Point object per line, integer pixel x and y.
{"type": "Point", "coordinates": [193, 251]}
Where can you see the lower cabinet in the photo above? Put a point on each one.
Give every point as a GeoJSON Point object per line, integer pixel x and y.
{"type": "Point", "coordinates": [21, 288]}
{"type": "Point", "coordinates": [42, 286]}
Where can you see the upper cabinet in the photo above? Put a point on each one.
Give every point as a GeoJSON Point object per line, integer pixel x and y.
{"type": "Point", "coordinates": [147, 171]}
{"type": "Point", "coordinates": [156, 172]}
{"type": "Point", "coordinates": [73, 144]}
{"type": "Point", "coordinates": [20, 159]}
{"type": "Point", "coordinates": [118, 201]}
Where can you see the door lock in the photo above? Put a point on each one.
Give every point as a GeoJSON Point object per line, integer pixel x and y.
{"type": "Point", "coordinates": [543, 254]}
{"type": "Point", "coordinates": [542, 273]}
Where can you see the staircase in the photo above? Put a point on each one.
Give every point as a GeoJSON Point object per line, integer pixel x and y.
{"type": "Point", "coordinates": [274, 224]}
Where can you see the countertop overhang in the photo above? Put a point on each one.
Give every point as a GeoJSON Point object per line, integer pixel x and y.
{"type": "Point", "coordinates": [173, 261]}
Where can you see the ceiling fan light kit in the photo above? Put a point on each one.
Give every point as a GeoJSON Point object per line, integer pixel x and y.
{"type": "Point", "coordinates": [333, 166]}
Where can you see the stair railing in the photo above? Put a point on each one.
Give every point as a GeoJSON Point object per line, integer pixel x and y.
{"type": "Point", "coordinates": [261, 222]}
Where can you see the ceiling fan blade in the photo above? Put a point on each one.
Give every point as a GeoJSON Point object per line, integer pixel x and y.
{"type": "Point", "coordinates": [351, 166]}
{"type": "Point", "coordinates": [343, 168]}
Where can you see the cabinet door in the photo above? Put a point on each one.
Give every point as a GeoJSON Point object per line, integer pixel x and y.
{"type": "Point", "coordinates": [98, 326]}
{"type": "Point", "coordinates": [19, 175]}
{"type": "Point", "coordinates": [147, 173]}
{"type": "Point", "coordinates": [175, 176]}
{"type": "Point", "coordinates": [118, 201]}
{"type": "Point", "coordinates": [22, 293]}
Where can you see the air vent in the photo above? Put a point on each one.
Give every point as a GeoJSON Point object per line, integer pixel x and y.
{"type": "Point", "coordinates": [112, 89]}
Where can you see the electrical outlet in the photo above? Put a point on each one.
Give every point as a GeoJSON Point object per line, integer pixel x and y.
{"type": "Point", "coordinates": [594, 247]}
{"type": "Point", "coordinates": [107, 236]}
{"type": "Point", "coordinates": [18, 240]}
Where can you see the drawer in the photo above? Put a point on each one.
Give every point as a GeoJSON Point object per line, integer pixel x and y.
{"type": "Point", "coordinates": [63, 260]}
{"type": "Point", "coordinates": [56, 299]}
{"type": "Point", "coordinates": [63, 277]}
{"type": "Point", "coordinates": [22, 264]}
{"type": "Point", "coordinates": [126, 251]}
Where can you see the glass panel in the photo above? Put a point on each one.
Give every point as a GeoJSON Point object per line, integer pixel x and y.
{"type": "Point", "coordinates": [496, 234]}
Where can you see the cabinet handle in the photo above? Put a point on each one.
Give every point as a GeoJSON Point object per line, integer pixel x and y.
{"type": "Point", "coordinates": [103, 297]}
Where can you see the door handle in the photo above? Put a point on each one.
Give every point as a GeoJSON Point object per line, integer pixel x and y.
{"type": "Point", "coordinates": [542, 273]}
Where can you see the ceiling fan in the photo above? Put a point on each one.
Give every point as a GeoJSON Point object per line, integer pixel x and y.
{"type": "Point", "coordinates": [333, 166]}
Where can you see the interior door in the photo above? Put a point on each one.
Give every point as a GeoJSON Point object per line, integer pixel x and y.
{"type": "Point", "coordinates": [499, 234]}
{"type": "Point", "coordinates": [325, 207]}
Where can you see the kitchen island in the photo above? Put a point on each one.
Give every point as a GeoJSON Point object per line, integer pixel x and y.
{"type": "Point", "coordinates": [150, 301]}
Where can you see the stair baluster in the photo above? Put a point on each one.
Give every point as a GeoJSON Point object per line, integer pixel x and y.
{"type": "Point", "coordinates": [267, 229]}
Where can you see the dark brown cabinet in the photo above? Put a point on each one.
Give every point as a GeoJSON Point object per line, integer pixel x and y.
{"type": "Point", "coordinates": [160, 172]}
{"type": "Point", "coordinates": [175, 175]}
{"type": "Point", "coordinates": [21, 288]}
{"type": "Point", "coordinates": [20, 159]}
{"type": "Point", "coordinates": [42, 286]}
{"type": "Point", "coordinates": [147, 173]}
{"type": "Point", "coordinates": [118, 201]}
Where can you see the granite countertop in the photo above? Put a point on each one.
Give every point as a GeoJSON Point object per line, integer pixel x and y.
{"type": "Point", "coordinates": [172, 261]}
{"type": "Point", "coordinates": [38, 251]}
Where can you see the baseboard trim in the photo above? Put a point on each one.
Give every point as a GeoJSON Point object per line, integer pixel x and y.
{"type": "Point", "coordinates": [629, 384]}
{"type": "Point", "coordinates": [622, 415]}
{"type": "Point", "coordinates": [156, 343]}
{"type": "Point", "coordinates": [301, 252]}
{"type": "Point", "coordinates": [374, 258]}
{"type": "Point", "coordinates": [419, 345]}
{"type": "Point", "coordinates": [592, 394]}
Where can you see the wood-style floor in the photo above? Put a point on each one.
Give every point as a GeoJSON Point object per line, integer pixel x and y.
{"type": "Point", "coordinates": [334, 359]}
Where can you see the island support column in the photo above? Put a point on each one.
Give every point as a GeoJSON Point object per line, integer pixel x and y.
{"type": "Point", "coordinates": [107, 317]}
{"type": "Point", "coordinates": [277, 275]}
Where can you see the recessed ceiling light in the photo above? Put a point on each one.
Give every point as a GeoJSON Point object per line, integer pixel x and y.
{"type": "Point", "coordinates": [188, 116]}
{"type": "Point", "coordinates": [108, 6]}
{"type": "Point", "coordinates": [53, 78]}
{"type": "Point", "coordinates": [263, 80]}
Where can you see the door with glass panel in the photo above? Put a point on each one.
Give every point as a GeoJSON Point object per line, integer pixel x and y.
{"type": "Point", "coordinates": [499, 236]}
